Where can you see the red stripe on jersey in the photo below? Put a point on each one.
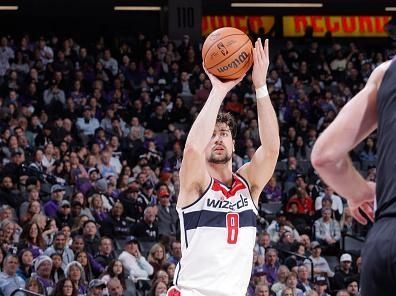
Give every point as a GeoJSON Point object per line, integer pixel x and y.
{"type": "Point", "coordinates": [236, 185]}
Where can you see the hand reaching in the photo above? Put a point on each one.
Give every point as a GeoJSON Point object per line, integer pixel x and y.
{"type": "Point", "coordinates": [260, 63]}
{"type": "Point", "coordinates": [220, 85]}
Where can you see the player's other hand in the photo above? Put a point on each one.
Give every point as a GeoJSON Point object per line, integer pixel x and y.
{"type": "Point", "coordinates": [260, 63]}
{"type": "Point", "coordinates": [363, 204]}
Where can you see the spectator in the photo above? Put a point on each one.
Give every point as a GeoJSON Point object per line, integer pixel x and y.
{"type": "Point", "coordinates": [25, 258]}
{"type": "Point", "coordinates": [147, 230]}
{"type": "Point", "coordinates": [57, 272]}
{"type": "Point", "coordinates": [167, 215]}
{"type": "Point", "coordinates": [327, 232]}
{"type": "Point", "coordinates": [320, 265]}
{"type": "Point", "coordinates": [156, 257]}
{"type": "Point", "coordinates": [60, 247]}
{"type": "Point", "coordinates": [344, 273]}
{"type": "Point", "coordinates": [75, 272]}
{"type": "Point", "coordinates": [65, 287]}
{"type": "Point", "coordinates": [175, 252]}
{"type": "Point", "coordinates": [51, 206]}
{"type": "Point", "coordinates": [106, 253]}
{"type": "Point", "coordinates": [134, 263]}
{"type": "Point", "coordinates": [96, 287]}
{"type": "Point", "coordinates": [9, 280]}
{"type": "Point", "coordinates": [43, 266]}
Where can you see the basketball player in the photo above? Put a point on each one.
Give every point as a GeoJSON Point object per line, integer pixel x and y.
{"type": "Point", "coordinates": [218, 208]}
{"type": "Point", "coordinates": [373, 107]}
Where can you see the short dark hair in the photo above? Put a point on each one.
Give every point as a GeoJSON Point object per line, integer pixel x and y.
{"type": "Point", "coordinates": [228, 119]}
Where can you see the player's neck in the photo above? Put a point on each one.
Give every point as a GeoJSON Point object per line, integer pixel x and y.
{"type": "Point", "coordinates": [221, 172]}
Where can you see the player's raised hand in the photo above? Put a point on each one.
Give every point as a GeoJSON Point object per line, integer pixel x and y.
{"type": "Point", "coordinates": [225, 86]}
{"type": "Point", "coordinates": [260, 63]}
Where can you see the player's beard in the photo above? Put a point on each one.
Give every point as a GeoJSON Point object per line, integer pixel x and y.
{"type": "Point", "coordinates": [219, 159]}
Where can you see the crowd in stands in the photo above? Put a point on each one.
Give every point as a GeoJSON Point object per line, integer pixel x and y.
{"type": "Point", "coordinates": [91, 139]}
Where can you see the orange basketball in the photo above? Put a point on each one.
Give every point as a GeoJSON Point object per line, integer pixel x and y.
{"type": "Point", "coordinates": [227, 53]}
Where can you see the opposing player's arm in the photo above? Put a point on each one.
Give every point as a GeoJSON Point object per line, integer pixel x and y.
{"type": "Point", "coordinates": [356, 120]}
{"type": "Point", "coordinates": [194, 177]}
{"type": "Point", "coordinates": [260, 169]}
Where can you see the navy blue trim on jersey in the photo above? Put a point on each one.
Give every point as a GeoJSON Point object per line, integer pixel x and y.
{"type": "Point", "coordinates": [202, 195]}
{"type": "Point", "coordinates": [250, 192]}
{"type": "Point", "coordinates": [185, 237]}
{"type": "Point", "coordinates": [178, 271]}
{"type": "Point", "coordinates": [206, 218]}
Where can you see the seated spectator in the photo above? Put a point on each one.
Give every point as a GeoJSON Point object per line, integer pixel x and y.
{"type": "Point", "coordinates": [57, 272]}
{"type": "Point", "coordinates": [31, 239]}
{"type": "Point", "coordinates": [320, 285]}
{"type": "Point", "coordinates": [258, 278]}
{"type": "Point", "coordinates": [106, 253]}
{"type": "Point", "coordinates": [280, 284]}
{"type": "Point", "coordinates": [344, 273]}
{"type": "Point", "coordinates": [291, 283]}
{"type": "Point", "coordinates": [133, 203]}
{"type": "Point", "coordinates": [279, 225]}
{"type": "Point", "coordinates": [320, 265]}
{"type": "Point", "coordinates": [336, 202]}
{"type": "Point", "coordinates": [75, 272]}
{"type": "Point", "coordinates": [327, 232]}
{"type": "Point", "coordinates": [147, 230]}
{"type": "Point", "coordinates": [156, 257]}
{"type": "Point", "coordinates": [42, 267]}
{"type": "Point", "coordinates": [115, 288]}
{"type": "Point", "coordinates": [34, 286]}
{"type": "Point", "coordinates": [304, 284]}
{"type": "Point", "coordinates": [9, 280]}
{"type": "Point", "coordinates": [304, 202]}
{"type": "Point", "coordinates": [116, 225]}
{"type": "Point", "coordinates": [63, 216]}
{"type": "Point", "coordinates": [167, 214]}
{"type": "Point", "coordinates": [353, 287]}
{"type": "Point", "coordinates": [65, 287]}
{"type": "Point", "coordinates": [175, 252]}
{"type": "Point", "coordinates": [96, 287]}
{"type": "Point", "coordinates": [134, 263]}
{"type": "Point", "coordinates": [158, 288]}
{"type": "Point", "coordinates": [25, 269]}
{"type": "Point", "coordinates": [82, 258]}
{"type": "Point", "coordinates": [271, 266]}
{"type": "Point", "coordinates": [51, 206]}
{"type": "Point", "coordinates": [272, 191]}
{"type": "Point", "coordinates": [91, 237]}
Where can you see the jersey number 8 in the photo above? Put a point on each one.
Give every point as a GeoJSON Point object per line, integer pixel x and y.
{"type": "Point", "coordinates": [232, 224]}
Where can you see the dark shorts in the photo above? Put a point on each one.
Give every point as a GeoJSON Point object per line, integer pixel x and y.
{"type": "Point", "coordinates": [378, 275]}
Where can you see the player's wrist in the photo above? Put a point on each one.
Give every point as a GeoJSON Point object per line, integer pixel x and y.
{"type": "Point", "coordinates": [262, 91]}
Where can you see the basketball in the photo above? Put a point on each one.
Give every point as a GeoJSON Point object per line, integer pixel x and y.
{"type": "Point", "coordinates": [227, 53]}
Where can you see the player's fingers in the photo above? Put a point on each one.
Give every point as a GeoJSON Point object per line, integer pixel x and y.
{"type": "Point", "coordinates": [368, 209]}
{"type": "Point", "coordinates": [255, 56]}
{"type": "Point", "coordinates": [261, 50]}
{"type": "Point", "coordinates": [266, 48]}
{"type": "Point", "coordinates": [358, 217]}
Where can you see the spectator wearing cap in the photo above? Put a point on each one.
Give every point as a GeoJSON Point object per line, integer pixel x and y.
{"type": "Point", "coordinates": [86, 125]}
{"type": "Point", "coordinates": [279, 225]}
{"type": "Point", "coordinates": [60, 247]}
{"type": "Point", "coordinates": [134, 262]}
{"type": "Point", "coordinates": [115, 225]}
{"type": "Point", "coordinates": [63, 215]}
{"type": "Point", "coordinates": [106, 252]}
{"type": "Point", "coordinates": [95, 287]}
{"type": "Point", "coordinates": [320, 285]}
{"type": "Point", "coordinates": [328, 232]}
{"type": "Point", "coordinates": [75, 272]}
{"type": "Point", "coordinates": [258, 278]}
{"type": "Point", "coordinates": [320, 265]}
{"type": "Point", "coordinates": [336, 202]}
{"type": "Point", "coordinates": [9, 280]}
{"type": "Point", "coordinates": [303, 279]}
{"type": "Point", "coordinates": [133, 203]}
{"type": "Point", "coordinates": [51, 206]}
{"type": "Point", "coordinates": [281, 276]}
{"type": "Point", "coordinates": [147, 230]}
{"type": "Point", "coordinates": [42, 267]}
{"type": "Point", "coordinates": [167, 214]}
{"type": "Point", "coordinates": [343, 273]}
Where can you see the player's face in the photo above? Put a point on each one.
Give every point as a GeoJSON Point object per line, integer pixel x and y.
{"type": "Point", "coordinates": [221, 145]}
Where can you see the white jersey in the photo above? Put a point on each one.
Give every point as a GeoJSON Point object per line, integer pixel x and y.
{"type": "Point", "coordinates": [218, 233]}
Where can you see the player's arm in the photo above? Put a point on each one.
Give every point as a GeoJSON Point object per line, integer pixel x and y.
{"type": "Point", "coordinates": [260, 169]}
{"type": "Point", "coordinates": [193, 174]}
{"type": "Point", "coordinates": [356, 120]}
